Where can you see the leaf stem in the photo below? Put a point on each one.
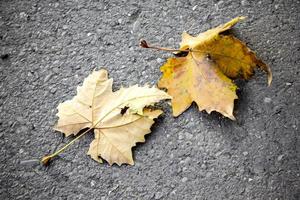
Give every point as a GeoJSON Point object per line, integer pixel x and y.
{"type": "Point", "coordinates": [144, 44]}
{"type": "Point", "coordinates": [45, 160]}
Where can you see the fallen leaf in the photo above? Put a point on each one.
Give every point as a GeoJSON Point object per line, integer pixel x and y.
{"type": "Point", "coordinates": [204, 75]}
{"type": "Point", "coordinates": [116, 131]}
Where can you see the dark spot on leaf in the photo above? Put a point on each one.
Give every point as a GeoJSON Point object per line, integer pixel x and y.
{"type": "Point", "coordinates": [180, 53]}
{"type": "Point", "coordinates": [208, 56]}
{"type": "Point", "coordinates": [123, 110]}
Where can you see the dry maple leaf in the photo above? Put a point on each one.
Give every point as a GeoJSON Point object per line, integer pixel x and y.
{"type": "Point", "coordinates": [205, 74]}
{"type": "Point", "coordinates": [119, 119]}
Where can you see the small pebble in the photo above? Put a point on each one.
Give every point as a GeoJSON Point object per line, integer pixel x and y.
{"type": "Point", "coordinates": [218, 153]}
{"type": "Point", "coordinates": [53, 90]}
{"type": "Point", "coordinates": [280, 157]}
{"type": "Point", "coordinates": [188, 136]}
{"type": "Point", "coordinates": [30, 162]}
{"type": "Point", "coordinates": [159, 60]}
{"type": "Point", "coordinates": [48, 77]}
{"type": "Point", "coordinates": [171, 40]}
{"type": "Point", "coordinates": [187, 160]}
{"type": "Point", "coordinates": [173, 192]}
{"type": "Point", "coordinates": [158, 195]}
{"type": "Point", "coordinates": [244, 3]}
{"type": "Point", "coordinates": [136, 26]}
{"type": "Point", "coordinates": [22, 53]}
{"type": "Point", "coordinates": [23, 15]}
{"type": "Point", "coordinates": [180, 137]}
{"type": "Point", "coordinates": [267, 100]}
{"type": "Point", "coordinates": [184, 179]}
{"type": "Point", "coordinates": [208, 174]}
{"type": "Point", "coordinates": [52, 190]}
{"type": "Point", "coordinates": [93, 183]}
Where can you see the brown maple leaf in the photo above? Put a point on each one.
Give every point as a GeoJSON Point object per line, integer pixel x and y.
{"type": "Point", "coordinates": [204, 74]}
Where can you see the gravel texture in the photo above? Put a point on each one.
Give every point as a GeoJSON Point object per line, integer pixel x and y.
{"type": "Point", "coordinates": [48, 47]}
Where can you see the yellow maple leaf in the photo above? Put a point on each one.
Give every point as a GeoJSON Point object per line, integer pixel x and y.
{"type": "Point", "coordinates": [204, 75]}
{"type": "Point", "coordinates": [119, 119]}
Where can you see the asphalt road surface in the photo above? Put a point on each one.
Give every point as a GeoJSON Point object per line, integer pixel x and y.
{"type": "Point", "coordinates": [48, 47]}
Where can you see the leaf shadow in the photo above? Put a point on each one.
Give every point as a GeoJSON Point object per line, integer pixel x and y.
{"type": "Point", "coordinates": [232, 131]}
{"type": "Point", "coordinates": [149, 137]}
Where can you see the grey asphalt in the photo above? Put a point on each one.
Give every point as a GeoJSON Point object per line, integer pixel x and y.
{"type": "Point", "coordinates": [48, 47]}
